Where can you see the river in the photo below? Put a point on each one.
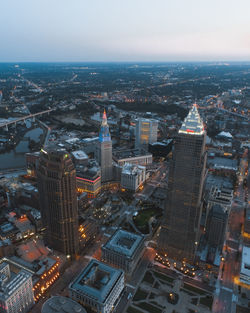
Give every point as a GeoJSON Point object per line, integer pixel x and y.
{"type": "Point", "coordinates": [16, 157]}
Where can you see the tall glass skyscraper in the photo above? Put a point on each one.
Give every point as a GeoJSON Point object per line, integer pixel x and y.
{"type": "Point", "coordinates": [58, 200]}
{"type": "Point", "coordinates": [180, 233]}
{"type": "Point", "coordinates": [104, 151]}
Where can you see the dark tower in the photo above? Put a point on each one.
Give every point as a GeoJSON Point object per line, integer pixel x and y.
{"type": "Point", "coordinates": [104, 151]}
{"type": "Point", "coordinates": [58, 200]}
{"type": "Point", "coordinates": [180, 233]}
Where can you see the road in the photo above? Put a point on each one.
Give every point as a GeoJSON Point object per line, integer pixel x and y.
{"type": "Point", "coordinates": [135, 279]}
{"type": "Point", "coordinates": [226, 291]}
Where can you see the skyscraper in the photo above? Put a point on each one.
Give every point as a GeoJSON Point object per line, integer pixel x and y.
{"type": "Point", "coordinates": [104, 150]}
{"type": "Point", "coordinates": [145, 132]}
{"type": "Point", "coordinates": [180, 233]}
{"type": "Point", "coordinates": [58, 200]}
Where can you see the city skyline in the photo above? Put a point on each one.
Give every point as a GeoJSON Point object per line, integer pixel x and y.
{"type": "Point", "coordinates": [134, 31]}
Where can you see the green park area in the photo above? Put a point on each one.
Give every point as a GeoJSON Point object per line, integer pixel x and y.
{"type": "Point", "coordinates": [142, 218]}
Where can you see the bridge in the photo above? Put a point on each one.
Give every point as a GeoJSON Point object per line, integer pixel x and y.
{"type": "Point", "coordinates": [26, 117]}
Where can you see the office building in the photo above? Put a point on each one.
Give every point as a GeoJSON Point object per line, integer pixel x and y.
{"type": "Point", "coordinates": [58, 200]}
{"type": "Point", "coordinates": [123, 250]}
{"type": "Point", "coordinates": [16, 294]}
{"type": "Point", "coordinates": [59, 304]}
{"type": "Point", "coordinates": [216, 226]}
{"type": "Point", "coordinates": [104, 151]}
{"type": "Point", "coordinates": [132, 176]}
{"type": "Point", "coordinates": [145, 132]}
{"type": "Point", "coordinates": [98, 287]}
{"type": "Point", "coordinates": [180, 233]}
{"type": "Point", "coordinates": [32, 159]}
{"type": "Point", "coordinates": [133, 156]}
{"type": "Point", "coordinates": [245, 266]}
{"type": "Point", "coordinates": [43, 269]}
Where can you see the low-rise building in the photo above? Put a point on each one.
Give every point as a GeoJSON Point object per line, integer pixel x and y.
{"type": "Point", "coordinates": [123, 250]}
{"type": "Point", "coordinates": [43, 271]}
{"type": "Point", "coordinates": [133, 176]}
{"type": "Point", "coordinates": [98, 287]}
{"type": "Point", "coordinates": [16, 293]}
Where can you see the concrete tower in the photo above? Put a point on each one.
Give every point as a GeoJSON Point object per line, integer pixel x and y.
{"type": "Point", "coordinates": [104, 151]}
{"type": "Point", "coordinates": [58, 200]}
{"type": "Point", "coordinates": [180, 233]}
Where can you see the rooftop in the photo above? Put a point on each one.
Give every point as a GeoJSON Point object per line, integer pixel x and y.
{"type": "Point", "coordinates": [124, 242]}
{"type": "Point", "coordinates": [245, 263]}
{"type": "Point", "coordinates": [12, 283]}
{"type": "Point", "coordinates": [97, 280]}
{"type": "Point", "coordinates": [124, 154]}
{"type": "Point", "coordinates": [193, 123]}
{"type": "Point", "coordinates": [131, 169]}
{"type": "Point", "coordinates": [79, 155]}
{"type": "Point", "coordinates": [223, 163]}
{"type": "Point", "coordinates": [59, 304]}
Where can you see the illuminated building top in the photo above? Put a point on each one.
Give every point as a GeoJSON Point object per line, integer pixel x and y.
{"type": "Point", "coordinates": [193, 123]}
{"type": "Point", "coordinates": [104, 134]}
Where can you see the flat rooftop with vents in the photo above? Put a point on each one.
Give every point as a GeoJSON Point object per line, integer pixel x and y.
{"type": "Point", "coordinates": [97, 280]}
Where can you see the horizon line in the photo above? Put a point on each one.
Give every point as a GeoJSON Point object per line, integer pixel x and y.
{"type": "Point", "coordinates": [135, 61]}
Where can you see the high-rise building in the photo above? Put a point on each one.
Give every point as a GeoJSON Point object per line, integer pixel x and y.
{"type": "Point", "coordinates": [104, 151]}
{"type": "Point", "coordinates": [145, 132]}
{"type": "Point", "coordinates": [216, 226]}
{"type": "Point", "coordinates": [58, 200]}
{"type": "Point", "coordinates": [180, 233]}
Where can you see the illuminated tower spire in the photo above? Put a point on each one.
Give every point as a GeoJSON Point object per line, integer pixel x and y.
{"type": "Point", "coordinates": [104, 150]}
{"type": "Point", "coordinates": [104, 134]}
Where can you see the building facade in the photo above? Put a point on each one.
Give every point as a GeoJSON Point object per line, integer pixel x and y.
{"type": "Point", "coordinates": [98, 287]}
{"type": "Point", "coordinates": [104, 151]}
{"type": "Point", "coordinates": [245, 266]}
{"type": "Point", "coordinates": [134, 156]}
{"type": "Point", "coordinates": [216, 226]}
{"type": "Point", "coordinates": [58, 200]}
{"type": "Point", "coordinates": [180, 233]}
{"type": "Point", "coordinates": [123, 250]}
{"type": "Point", "coordinates": [145, 132]}
{"type": "Point", "coordinates": [16, 293]}
{"type": "Point", "coordinates": [132, 176]}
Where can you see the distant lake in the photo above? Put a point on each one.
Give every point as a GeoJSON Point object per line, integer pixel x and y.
{"type": "Point", "coordinates": [16, 157]}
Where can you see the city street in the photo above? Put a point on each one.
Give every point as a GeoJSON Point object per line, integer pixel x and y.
{"type": "Point", "coordinates": [225, 288]}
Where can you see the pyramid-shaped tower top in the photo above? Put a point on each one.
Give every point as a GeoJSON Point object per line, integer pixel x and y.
{"type": "Point", "coordinates": [104, 134]}
{"type": "Point", "coordinates": [104, 118]}
{"type": "Point", "coordinates": [193, 123]}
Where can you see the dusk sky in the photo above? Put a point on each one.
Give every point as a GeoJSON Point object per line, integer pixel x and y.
{"type": "Point", "coordinates": [124, 30]}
